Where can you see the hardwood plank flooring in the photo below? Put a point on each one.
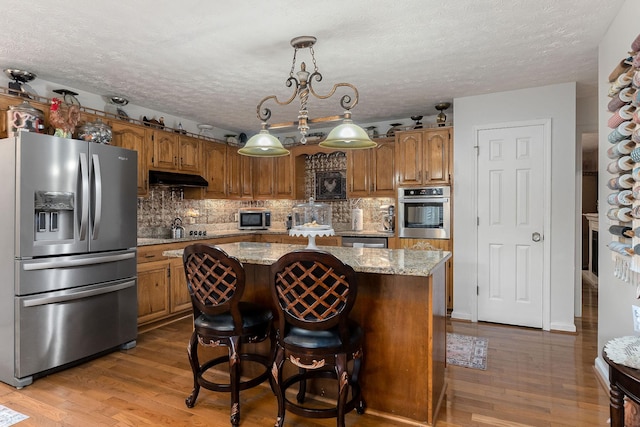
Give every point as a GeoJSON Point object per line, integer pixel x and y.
{"type": "Point", "coordinates": [533, 378]}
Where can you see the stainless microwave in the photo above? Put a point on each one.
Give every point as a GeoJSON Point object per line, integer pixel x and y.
{"type": "Point", "coordinates": [254, 219]}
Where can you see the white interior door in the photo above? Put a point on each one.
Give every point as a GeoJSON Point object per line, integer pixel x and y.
{"type": "Point", "coordinates": [511, 207]}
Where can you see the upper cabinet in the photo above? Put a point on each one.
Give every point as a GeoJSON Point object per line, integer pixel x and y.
{"type": "Point", "coordinates": [370, 172]}
{"type": "Point", "coordinates": [133, 137]}
{"type": "Point", "coordinates": [272, 178]}
{"type": "Point", "coordinates": [174, 152]}
{"type": "Point", "coordinates": [214, 158]}
{"type": "Point", "coordinates": [239, 175]}
{"type": "Point", "coordinates": [423, 157]}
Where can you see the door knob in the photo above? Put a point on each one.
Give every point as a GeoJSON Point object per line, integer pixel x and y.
{"type": "Point", "coordinates": [536, 237]}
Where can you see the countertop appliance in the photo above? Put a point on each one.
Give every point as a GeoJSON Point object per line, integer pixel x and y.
{"type": "Point", "coordinates": [68, 256]}
{"type": "Point", "coordinates": [424, 212]}
{"type": "Point", "coordinates": [254, 219]}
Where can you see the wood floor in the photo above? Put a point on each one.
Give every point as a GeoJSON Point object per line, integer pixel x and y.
{"type": "Point", "coordinates": [533, 378]}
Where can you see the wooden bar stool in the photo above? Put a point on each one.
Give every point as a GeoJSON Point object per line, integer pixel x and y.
{"type": "Point", "coordinates": [216, 283]}
{"type": "Point", "coordinates": [314, 292]}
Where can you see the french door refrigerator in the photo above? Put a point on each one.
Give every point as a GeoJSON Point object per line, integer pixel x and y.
{"type": "Point", "coordinates": [68, 287]}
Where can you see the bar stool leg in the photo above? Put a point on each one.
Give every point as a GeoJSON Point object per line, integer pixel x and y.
{"type": "Point", "coordinates": [276, 373]}
{"type": "Point", "coordinates": [192, 350]}
{"type": "Point", "coordinates": [234, 379]}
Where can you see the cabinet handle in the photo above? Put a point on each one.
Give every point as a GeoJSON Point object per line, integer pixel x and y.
{"type": "Point", "coordinates": [181, 162]}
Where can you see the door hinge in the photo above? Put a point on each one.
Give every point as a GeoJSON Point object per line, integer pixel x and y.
{"type": "Point", "coordinates": [477, 147]}
{"type": "Point", "coordinates": [169, 272]}
{"type": "Point", "coordinates": [477, 220]}
{"type": "Point", "coordinates": [477, 290]}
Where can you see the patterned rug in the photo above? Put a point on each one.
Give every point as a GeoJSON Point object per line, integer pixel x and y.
{"type": "Point", "coordinates": [467, 351]}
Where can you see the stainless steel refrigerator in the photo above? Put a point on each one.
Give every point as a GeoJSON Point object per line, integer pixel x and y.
{"type": "Point", "coordinates": [68, 287]}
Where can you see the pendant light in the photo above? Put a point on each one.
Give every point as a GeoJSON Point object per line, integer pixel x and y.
{"type": "Point", "coordinates": [345, 136]}
{"type": "Point", "coordinates": [263, 144]}
{"type": "Point", "coordinates": [348, 136]}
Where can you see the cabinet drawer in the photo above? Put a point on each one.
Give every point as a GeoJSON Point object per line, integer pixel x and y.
{"type": "Point", "coordinates": [151, 253]}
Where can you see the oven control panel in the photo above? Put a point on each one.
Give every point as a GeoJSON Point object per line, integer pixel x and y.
{"type": "Point", "coordinates": [425, 192]}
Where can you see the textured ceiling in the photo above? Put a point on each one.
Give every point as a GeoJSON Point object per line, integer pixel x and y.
{"type": "Point", "coordinates": [213, 61]}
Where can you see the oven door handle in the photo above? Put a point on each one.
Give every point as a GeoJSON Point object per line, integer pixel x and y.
{"type": "Point", "coordinates": [425, 200]}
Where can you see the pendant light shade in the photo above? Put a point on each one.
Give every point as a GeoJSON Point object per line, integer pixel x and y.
{"type": "Point", "coordinates": [348, 136]}
{"type": "Point", "coordinates": [263, 144]}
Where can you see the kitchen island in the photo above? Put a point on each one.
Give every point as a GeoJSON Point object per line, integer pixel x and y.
{"type": "Point", "coordinates": [401, 306]}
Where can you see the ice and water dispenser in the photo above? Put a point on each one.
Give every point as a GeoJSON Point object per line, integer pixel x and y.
{"type": "Point", "coordinates": [53, 215]}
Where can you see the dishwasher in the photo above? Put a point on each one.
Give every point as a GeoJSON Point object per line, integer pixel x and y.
{"type": "Point", "coordinates": [364, 242]}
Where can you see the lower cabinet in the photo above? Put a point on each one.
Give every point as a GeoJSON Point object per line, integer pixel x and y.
{"type": "Point", "coordinates": [431, 244]}
{"type": "Point", "coordinates": [179, 297]}
{"type": "Point", "coordinates": [162, 284]}
{"type": "Point", "coordinates": [153, 291]}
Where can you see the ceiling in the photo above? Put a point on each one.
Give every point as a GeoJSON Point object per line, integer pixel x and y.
{"type": "Point", "coordinates": [213, 61]}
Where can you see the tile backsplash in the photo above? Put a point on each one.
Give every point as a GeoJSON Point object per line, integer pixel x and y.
{"type": "Point", "coordinates": [157, 211]}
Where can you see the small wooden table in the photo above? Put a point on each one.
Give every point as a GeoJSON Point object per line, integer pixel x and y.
{"type": "Point", "coordinates": [624, 381]}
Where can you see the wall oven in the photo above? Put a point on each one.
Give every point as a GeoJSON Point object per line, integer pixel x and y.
{"type": "Point", "coordinates": [424, 212]}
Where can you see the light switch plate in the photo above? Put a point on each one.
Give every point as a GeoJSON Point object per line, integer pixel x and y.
{"type": "Point", "coordinates": [636, 318]}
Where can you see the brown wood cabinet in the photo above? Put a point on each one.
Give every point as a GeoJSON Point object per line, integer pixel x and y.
{"type": "Point", "coordinates": [283, 177]}
{"type": "Point", "coordinates": [445, 245]}
{"type": "Point", "coordinates": [179, 297]}
{"type": "Point", "coordinates": [189, 152]}
{"type": "Point", "coordinates": [133, 137]}
{"type": "Point", "coordinates": [239, 175]}
{"type": "Point", "coordinates": [214, 159]}
{"type": "Point", "coordinates": [423, 157]}
{"type": "Point", "coordinates": [153, 291]}
{"type": "Point", "coordinates": [263, 176]}
{"type": "Point", "coordinates": [174, 152]}
{"type": "Point", "coordinates": [272, 177]}
{"type": "Point", "coordinates": [370, 173]}
{"type": "Point", "coordinates": [162, 286]}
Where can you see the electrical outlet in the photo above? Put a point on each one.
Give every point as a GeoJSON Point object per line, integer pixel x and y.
{"type": "Point", "coordinates": [235, 216]}
{"type": "Point", "coordinates": [636, 318]}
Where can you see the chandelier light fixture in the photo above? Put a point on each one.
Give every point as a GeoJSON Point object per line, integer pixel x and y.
{"type": "Point", "coordinates": [347, 135]}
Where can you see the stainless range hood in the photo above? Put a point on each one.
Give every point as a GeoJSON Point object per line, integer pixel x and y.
{"type": "Point", "coordinates": [174, 179]}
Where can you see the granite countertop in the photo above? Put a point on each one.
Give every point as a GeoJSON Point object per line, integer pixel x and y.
{"type": "Point", "coordinates": [146, 241]}
{"type": "Point", "coordinates": [403, 262]}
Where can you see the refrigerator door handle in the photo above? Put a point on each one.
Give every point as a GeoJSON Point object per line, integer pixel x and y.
{"type": "Point", "coordinates": [97, 176]}
{"type": "Point", "coordinates": [78, 295]}
{"type": "Point", "coordinates": [84, 216]}
{"type": "Point", "coordinates": [77, 262]}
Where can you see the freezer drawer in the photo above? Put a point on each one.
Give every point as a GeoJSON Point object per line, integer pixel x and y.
{"type": "Point", "coordinates": [61, 327]}
{"type": "Point", "coordinates": [64, 272]}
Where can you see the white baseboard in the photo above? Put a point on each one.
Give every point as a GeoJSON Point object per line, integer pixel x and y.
{"type": "Point", "coordinates": [563, 327]}
{"type": "Point", "coordinates": [460, 316]}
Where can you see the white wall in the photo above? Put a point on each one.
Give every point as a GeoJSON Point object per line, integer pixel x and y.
{"type": "Point", "coordinates": [555, 102]}
{"type": "Point", "coordinates": [615, 297]}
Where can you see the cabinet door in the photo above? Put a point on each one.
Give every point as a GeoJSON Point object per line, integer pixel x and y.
{"type": "Point", "coordinates": [189, 159]}
{"type": "Point", "coordinates": [437, 157]}
{"type": "Point", "coordinates": [180, 298]}
{"type": "Point", "coordinates": [383, 169]}
{"type": "Point", "coordinates": [409, 157]}
{"type": "Point", "coordinates": [153, 291]}
{"type": "Point", "coordinates": [434, 244]}
{"type": "Point", "coordinates": [165, 150]}
{"type": "Point", "coordinates": [132, 137]}
{"type": "Point", "coordinates": [283, 177]}
{"type": "Point", "coordinates": [239, 183]}
{"type": "Point", "coordinates": [263, 174]}
{"type": "Point", "coordinates": [215, 168]}
{"type": "Point", "coordinates": [358, 173]}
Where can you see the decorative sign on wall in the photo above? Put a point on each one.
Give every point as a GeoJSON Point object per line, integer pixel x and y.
{"type": "Point", "coordinates": [624, 152]}
{"type": "Point", "coordinates": [331, 185]}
